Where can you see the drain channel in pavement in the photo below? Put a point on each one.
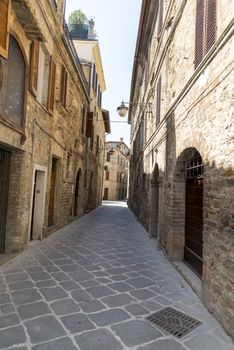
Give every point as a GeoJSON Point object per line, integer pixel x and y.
{"type": "Point", "coordinates": [174, 322]}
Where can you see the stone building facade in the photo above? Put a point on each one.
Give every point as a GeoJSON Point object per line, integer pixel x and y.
{"type": "Point", "coordinates": [44, 138]}
{"type": "Point", "coordinates": [182, 145]}
{"type": "Point", "coordinates": [116, 171]}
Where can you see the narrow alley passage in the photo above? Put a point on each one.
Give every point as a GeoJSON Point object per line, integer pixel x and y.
{"type": "Point", "coordinates": [91, 286]}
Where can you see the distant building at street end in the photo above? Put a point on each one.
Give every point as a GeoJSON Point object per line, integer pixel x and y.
{"type": "Point", "coordinates": [115, 185]}
{"type": "Point", "coordinates": [182, 143]}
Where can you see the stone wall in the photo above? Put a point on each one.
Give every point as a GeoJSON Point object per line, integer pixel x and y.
{"type": "Point", "coordinates": [196, 115]}
{"type": "Point", "coordinates": [48, 135]}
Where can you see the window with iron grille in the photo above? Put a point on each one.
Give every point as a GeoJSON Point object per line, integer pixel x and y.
{"type": "Point", "coordinates": [205, 28]}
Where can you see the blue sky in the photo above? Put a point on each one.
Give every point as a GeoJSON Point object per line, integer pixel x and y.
{"type": "Point", "coordinates": [116, 24]}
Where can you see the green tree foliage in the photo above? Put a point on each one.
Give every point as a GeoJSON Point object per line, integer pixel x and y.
{"type": "Point", "coordinates": [77, 17]}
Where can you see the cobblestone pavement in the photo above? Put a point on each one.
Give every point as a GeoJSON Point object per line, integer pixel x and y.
{"type": "Point", "coordinates": [91, 285]}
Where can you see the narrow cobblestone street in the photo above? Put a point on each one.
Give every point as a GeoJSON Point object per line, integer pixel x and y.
{"type": "Point", "coordinates": [91, 285]}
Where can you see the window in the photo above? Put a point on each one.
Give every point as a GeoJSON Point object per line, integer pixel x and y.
{"type": "Point", "coordinates": [94, 76]}
{"type": "Point", "coordinates": [108, 157]}
{"type": "Point", "coordinates": [42, 75]}
{"type": "Point", "coordinates": [205, 28]}
{"type": "Point", "coordinates": [99, 96]}
{"type": "Point", "coordinates": [158, 102]}
{"type": "Point", "coordinates": [89, 124]}
{"type": "Point", "coordinates": [4, 32]}
{"type": "Point", "coordinates": [105, 167]}
{"type": "Point", "coordinates": [97, 145]}
{"type": "Point", "coordinates": [12, 84]}
{"type": "Point", "coordinates": [83, 113]}
{"type": "Point", "coordinates": [107, 175]}
{"type": "Point", "coordinates": [63, 86]}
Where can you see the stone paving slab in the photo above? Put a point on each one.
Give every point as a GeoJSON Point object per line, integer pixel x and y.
{"type": "Point", "coordinates": [91, 285]}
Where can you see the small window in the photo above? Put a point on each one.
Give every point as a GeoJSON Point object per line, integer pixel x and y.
{"type": "Point", "coordinates": [83, 114]}
{"type": "Point", "coordinates": [63, 86]}
{"type": "Point", "coordinates": [97, 145]}
{"type": "Point", "coordinates": [107, 175]}
{"type": "Point", "coordinates": [108, 157]}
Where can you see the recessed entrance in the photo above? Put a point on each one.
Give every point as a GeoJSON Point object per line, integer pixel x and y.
{"type": "Point", "coordinates": [193, 249]}
{"type": "Point", "coordinates": [106, 194]}
{"type": "Point", "coordinates": [5, 164]}
{"type": "Point", "coordinates": [38, 203]}
{"type": "Point", "coordinates": [76, 198]}
{"type": "Point", "coordinates": [52, 192]}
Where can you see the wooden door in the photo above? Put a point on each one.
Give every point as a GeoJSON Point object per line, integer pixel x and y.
{"type": "Point", "coordinates": [52, 193]}
{"type": "Point", "coordinates": [76, 197]}
{"type": "Point", "coordinates": [5, 163]}
{"type": "Point", "coordinates": [194, 224]}
{"type": "Point", "coordinates": [106, 194]}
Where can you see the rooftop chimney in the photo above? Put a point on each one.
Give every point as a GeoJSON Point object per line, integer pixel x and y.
{"type": "Point", "coordinates": [121, 139]}
{"type": "Point", "coordinates": [91, 32]}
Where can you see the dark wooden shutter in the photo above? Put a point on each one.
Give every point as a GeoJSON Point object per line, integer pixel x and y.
{"type": "Point", "coordinates": [51, 85]}
{"type": "Point", "coordinates": [94, 76]}
{"type": "Point", "coordinates": [34, 63]}
{"type": "Point", "coordinates": [199, 32]}
{"type": "Point", "coordinates": [89, 124]}
{"type": "Point", "coordinates": [160, 18]}
{"type": "Point", "coordinates": [158, 102]}
{"type": "Point", "coordinates": [107, 175]}
{"type": "Point", "coordinates": [211, 12]}
{"type": "Point", "coordinates": [4, 26]}
{"type": "Point", "coordinates": [63, 86]}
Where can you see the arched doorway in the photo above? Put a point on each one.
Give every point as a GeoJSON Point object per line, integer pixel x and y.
{"type": "Point", "coordinates": [76, 194]}
{"type": "Point", "coordinates": [193, 247]}
{"type": "Point", "coordinates": [186, 241]}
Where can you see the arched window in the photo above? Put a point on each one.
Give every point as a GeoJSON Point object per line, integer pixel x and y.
{"type": "Point", "coordinates": [12, 84]}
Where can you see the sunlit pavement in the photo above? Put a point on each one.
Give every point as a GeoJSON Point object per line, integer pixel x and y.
{"type": "Point", "coordinates": [91, 285]}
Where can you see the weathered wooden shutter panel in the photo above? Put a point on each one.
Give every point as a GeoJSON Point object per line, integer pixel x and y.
{"type": "Point", "coordinates": [199, 32]}
{"type": "Point", "coordinates": [63, 86]}
{"type": "Point", "coordinates": [4, 26]}
{"type": "Point", "coordinates": [51, 85]}
{"type": "Point", "coordinates": [160, 18]}
{"type": "Point", "coordinates": [89, 124]}
{"type": "Point", "coordinates": [211, 11]}
{"type": "Point", "coordinates": [158, 102]}
{"type": "Point", "coordinates": [35, 48]}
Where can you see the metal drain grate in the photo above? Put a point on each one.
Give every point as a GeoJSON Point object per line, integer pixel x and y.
{"type": "Point", "coordinates": [173, 321]}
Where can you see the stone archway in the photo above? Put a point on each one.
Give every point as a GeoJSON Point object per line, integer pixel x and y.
{"type": "Point", "coordinates": [187, 210]}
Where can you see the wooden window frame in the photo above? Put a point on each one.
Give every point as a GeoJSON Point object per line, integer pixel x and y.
{"type": "Point", "coordinates": [51, 86]}
{"type": "Point", "coordinates": [63, 86]}
{"type": "Point", "coordinates": [34, 65]}
{"type": "Point", "coordinates": [4, 32]}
